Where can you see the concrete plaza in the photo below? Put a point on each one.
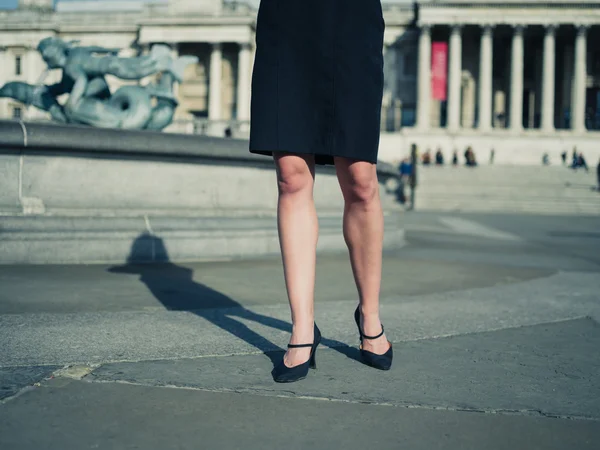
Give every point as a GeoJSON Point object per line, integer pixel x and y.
{"type": "Point", "coordinates": [494, 320]}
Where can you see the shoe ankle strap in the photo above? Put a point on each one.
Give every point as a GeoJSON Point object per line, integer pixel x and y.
{"type": "Point", "coordinates": [373, 337]}
{"type": "Point", "coordinates": [299, 345]}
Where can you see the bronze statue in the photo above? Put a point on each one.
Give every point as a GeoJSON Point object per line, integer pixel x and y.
{"type": "Point", "coordinates": [90, 100]}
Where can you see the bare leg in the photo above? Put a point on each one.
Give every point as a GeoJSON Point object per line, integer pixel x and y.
{"type": "Point", "coordinates": [363, 232]}
{"type": "Point", "coordinates": [298, 234]}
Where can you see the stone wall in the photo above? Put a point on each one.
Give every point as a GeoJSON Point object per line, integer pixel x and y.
{"type": "Point", "coordinates": [75, 194]}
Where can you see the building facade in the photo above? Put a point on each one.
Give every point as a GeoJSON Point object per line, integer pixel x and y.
{"type": "Point", "coordinates": [221, 35]}
{"type": "Point", "coordinates": [521, 77]}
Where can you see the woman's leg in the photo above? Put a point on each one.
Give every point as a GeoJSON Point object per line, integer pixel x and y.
{"type": "Point", "coordinates": [298, 233]}
{"type": "Point", "coordinates": [363, 232]}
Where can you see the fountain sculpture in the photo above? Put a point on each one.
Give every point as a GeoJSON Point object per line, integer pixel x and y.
{"type": "Point", "coordinates": [90, 100]}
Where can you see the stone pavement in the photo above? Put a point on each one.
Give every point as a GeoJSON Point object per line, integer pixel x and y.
{"type": "Point", "coordinates": [494, 319]}
{"type": "Point", "coordinates": [514, 189]}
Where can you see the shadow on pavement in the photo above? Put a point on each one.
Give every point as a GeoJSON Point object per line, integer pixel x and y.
{"type": "Point", "coordinates": [175, 288]}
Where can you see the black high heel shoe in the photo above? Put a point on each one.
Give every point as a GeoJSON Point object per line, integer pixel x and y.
{"type": "Point", "coordinates": [285, 374]}
{"type": "Point", "coordinates": [381, 362]}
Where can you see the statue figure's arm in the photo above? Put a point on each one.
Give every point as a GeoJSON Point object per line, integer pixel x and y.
{"type": "Point", "coordinates": [97, 87]}
{"type": "Point", "coordinates": [78, 91]}
{"type": "Point", "coordinates": [84, 62]}
{"type": "Point", "coordinates": [97, 49]}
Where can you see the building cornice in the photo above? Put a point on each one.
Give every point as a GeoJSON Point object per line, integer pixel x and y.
{"type": "Point", "coordinates": [429, 4]}
{"type": "Point", "coordinates": [196, 20]}
{"type": "Point", "coordinates": [508, 13]}
{"type": "Point", "coordinates": [111, 22]}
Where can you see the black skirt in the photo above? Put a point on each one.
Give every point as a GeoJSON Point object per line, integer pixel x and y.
{"type": "Point", "coordinates": [317, 82]}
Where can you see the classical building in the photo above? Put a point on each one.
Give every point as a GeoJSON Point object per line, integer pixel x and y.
{"type": "Point", "coordinates": [220, 34]}
{"type": "Point", "coordinates": [521, 77]}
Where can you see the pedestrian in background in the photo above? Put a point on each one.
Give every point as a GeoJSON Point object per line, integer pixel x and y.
{"type": "Point", "coordinates": [426, 159]}
{"type": "Point", "coordinates": [405, 170]}
{"type": "Point", "coordinates": [598, 174]}
{"type": "Point", "coordinates": [575, 161]}
{"type": "Point", "coordinates": [581, 162]}
{"type": "Point", "coordinates": [470, 157]}
{"type": "Point", "coordinates": [546, 159]}
{"type": "Point", "coordinates": [439, 157]}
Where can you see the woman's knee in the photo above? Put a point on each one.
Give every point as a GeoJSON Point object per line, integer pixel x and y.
{"type": "Point", "coordinates": [360, 184]}
{"type": "Point", "coordinates": [294, 175]}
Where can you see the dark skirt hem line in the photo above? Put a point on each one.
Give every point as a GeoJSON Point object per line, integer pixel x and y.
{"type": "Point", "coordinates": [320, 159]}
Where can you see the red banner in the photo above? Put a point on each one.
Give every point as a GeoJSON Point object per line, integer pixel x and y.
{"type": "Point", "coordinates": [439, 70]}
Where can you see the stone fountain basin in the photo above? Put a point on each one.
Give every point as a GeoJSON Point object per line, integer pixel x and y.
{"type": "Point", "coordinates": [72, 194]}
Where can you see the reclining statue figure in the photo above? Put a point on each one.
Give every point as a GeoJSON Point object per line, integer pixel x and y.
{"type": "Point", "coordinates": [90, 100]}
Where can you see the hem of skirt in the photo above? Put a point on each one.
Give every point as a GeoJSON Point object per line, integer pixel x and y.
{"type": "Point", "coordinates": [320, 158]}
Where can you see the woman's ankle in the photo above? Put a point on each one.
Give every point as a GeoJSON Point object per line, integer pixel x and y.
{"type": "Point", "coordinates": [369, 312]}
{"type": "Point", "coordinates": [303, 331]}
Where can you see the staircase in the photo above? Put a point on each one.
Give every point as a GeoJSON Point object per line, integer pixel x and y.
{"type": "Point", "coordinates": [510, 189]}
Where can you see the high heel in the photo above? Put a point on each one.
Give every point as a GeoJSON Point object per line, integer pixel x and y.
{"type": "Point", "coordinates": [285, 374]}
{"type": "Point", "coordinates": [381, 362]}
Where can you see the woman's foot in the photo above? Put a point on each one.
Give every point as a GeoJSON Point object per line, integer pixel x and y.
{"type": "Point", "coordinates": [296, 356]}
{"type": "Point", "coordinates": [373, 351]}
{"type": "Point", "coordinates": [371, 326]}
{"type": "Point", "coordinates": [284, 373]}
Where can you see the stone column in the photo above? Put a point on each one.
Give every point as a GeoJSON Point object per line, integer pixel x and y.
{"type": "Point", "coordinates": [397, 114]}
{"type": "Point", "coordinates": [385, 108]}
{"type": "Point", "coordinates": [516, 80]}
{"type": "Point", "coordinates": [454, 77]}
{"type": "Point", "coordinates": [243, 83]}
{"type": "Point", "coordinates": [215, 78]}
{"type": "Point", "coordinates": [392, 72]}
{"type": "Point", "coordinates": [579, 80]}
{"type": "Point", "coordinates": [548, 81]}
{"type": "Point", "coordinates": [485, 78]}
{"type": "Point", "coordinates": [424, 79]}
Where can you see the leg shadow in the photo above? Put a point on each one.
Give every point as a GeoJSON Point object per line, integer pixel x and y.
{"type": "Point", "coordinates": [174, 287]}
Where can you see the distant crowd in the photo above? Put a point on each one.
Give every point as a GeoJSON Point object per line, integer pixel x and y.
{"type": "Point", "coordinates": [577, 161]}
{"type": "Point", "coordinates": [469, 158]}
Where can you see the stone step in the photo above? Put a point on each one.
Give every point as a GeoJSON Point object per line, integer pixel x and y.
{"type": "Point", "coordinates": [532, 208]}
{"type": "Point", "coordinates": [534, 192]}
{"type": "Point", "coordinates": [118, 239]}
{"type": "Point", "coordinates": [509, 199]}
{"type": "Point", "coordinates": [545, 190]}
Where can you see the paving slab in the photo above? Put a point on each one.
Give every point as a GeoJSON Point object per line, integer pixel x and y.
{"type": "Point", "coordinates": [98, 337]}
{"type": "Point", "coordinates": [66, 414]}
{"type": "Point", "coordinates": [224, 284]}
{"type": "Point", "coordinates": [14, 379]}
{"type": "Point", "coordinates": [496, 343]}
{"type": "Point", "coordinates": [549, 369]}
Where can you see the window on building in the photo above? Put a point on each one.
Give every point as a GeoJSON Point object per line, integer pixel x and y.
{"type": "Point", "coordinates": [18, 65]}
{"type": "Point", "coordinates": [17, 113]}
